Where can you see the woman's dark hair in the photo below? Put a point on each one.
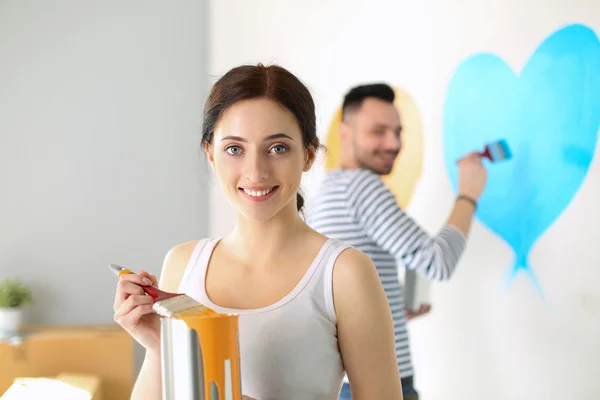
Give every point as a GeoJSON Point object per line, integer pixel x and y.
{"type": "Point", "coordinates": [259, 81]}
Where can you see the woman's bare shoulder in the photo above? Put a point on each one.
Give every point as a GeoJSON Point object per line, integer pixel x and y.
{"type": "Point", "coordinates": [174, 265]}
{"type": "Point", "coordinates": [354, 278]}
{"type": "Point", "coordinates": [353, 263]}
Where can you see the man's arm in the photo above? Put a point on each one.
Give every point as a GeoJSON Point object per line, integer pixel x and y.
{"type": "Point", "coordinates": [375, 208]}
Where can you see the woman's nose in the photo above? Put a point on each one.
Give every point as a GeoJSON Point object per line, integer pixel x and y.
{"type": "Point", "coordinates": [256, 168]}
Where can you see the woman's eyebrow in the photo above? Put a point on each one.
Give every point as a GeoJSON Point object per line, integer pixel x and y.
{"type": "Point", "coordinates": [270, 137]}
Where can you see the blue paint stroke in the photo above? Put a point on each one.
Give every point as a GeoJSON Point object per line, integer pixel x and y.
{"type": "Point", "coordinates": [549, 116]}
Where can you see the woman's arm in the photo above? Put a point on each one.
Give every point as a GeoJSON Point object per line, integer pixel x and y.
{"type": "Point", "coordinates": [149, 382]}
{"type": "Point", "coordinates": [365, 328]}
{"type": "Point", "coordinates": [148, 385]}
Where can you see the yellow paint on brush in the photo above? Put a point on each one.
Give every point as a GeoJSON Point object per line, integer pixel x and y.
{"type": "Point", "coordinates": [199, 311]}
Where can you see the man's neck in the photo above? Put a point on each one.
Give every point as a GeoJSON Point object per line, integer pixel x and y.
{"type": "Point", "coordinates": [347, 162]}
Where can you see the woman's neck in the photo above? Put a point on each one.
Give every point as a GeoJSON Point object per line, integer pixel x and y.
{"type": "Point", "coordinates": [260, 242]}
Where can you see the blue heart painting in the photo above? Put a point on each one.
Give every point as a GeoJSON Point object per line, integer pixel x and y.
{"type": "Point", "coordinates": [549, 115]}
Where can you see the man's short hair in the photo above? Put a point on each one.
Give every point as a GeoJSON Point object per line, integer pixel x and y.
{"type": "Point", "coordinates": [354, 98]}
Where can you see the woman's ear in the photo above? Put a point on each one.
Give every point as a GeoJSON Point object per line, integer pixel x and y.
{"type": "Point", "coordinates": [309, 156]}
{"type": "Point", "coordinates": [208, 149]}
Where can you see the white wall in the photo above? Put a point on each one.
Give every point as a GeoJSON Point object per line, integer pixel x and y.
{"type": "Point", "coordinates": [100, 162]}
{"type": "Point", "coordinates": [480, 341]}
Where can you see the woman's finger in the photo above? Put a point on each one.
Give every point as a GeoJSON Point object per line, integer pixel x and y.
{"type": "Point", "coordinates": [131, 320]}
{"type": "Point", "coordinates": [129, 284]}
{"type": "Point", "coordinates": [131, 303]}
{"type": "Point", "coordinates": [124, 290]}
{"type": "Point", "coordinates": [146, 274]}
{"type": "Point", "coordinates": [137, 279]}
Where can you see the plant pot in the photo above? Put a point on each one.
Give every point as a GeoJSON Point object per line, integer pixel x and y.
{"type": "Point", "coordinates": [10, 321]}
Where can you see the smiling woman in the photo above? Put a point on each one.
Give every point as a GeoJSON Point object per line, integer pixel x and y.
{"type": "Point", "coordinates": [265, 160]}
{"type": "Point", "coordinates": [276, 90]}
{"type": "Point", "coordinates": [310, 308]}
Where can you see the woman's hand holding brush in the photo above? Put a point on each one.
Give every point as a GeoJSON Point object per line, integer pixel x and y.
{"type": "Point", "coordinates": [133, 310]}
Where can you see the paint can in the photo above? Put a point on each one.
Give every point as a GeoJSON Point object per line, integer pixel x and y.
{"type": "Point", "coordinates": [200, 358]}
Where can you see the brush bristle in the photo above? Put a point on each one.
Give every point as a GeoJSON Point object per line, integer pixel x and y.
{"type": "Point", "coordinates": [504, 146]}
{"type": "Point", "coordinates": [500, 151]}
{"type": "Point", "coordinates": [199, 311]}
{"type": "Point", "coordinates": [177, 305]}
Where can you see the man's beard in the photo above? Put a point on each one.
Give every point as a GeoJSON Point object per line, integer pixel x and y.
{"type": "Point", "coordinates": [366, 163]}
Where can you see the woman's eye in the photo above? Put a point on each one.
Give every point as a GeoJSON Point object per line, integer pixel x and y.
{"type": "Point", "coordinates": [279, 149]}
{"type": "Point", "coordinates": [234, 150]}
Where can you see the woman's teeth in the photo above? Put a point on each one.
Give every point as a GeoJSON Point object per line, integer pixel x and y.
{"type": "Point", "coordinates": [257, 193]}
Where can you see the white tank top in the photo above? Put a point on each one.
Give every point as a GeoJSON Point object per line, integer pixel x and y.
{"type": "Point", "coordinates": [289, 349]}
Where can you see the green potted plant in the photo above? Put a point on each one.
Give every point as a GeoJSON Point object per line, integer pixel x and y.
{"type": "Point", "coordinates": [13, 297]}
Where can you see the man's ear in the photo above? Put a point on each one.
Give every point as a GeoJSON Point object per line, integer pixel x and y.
{"type": "Point", "coordinates": [345, 131]}
{"type": "Point", "coordinates": [310, 155]}
{"type": "Point", "coordinates": [208, 149]}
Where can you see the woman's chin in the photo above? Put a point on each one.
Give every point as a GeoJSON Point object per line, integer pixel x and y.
{"type": "Point", "coordinates": [257, 216]}
{"type": "Point", "coordinates": [260, 212]}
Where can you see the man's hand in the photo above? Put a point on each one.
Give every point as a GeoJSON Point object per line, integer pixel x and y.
{"type": "Point", "coordinates": [424, 309]}
{"type": "Point", "coordinates": [472, 176]}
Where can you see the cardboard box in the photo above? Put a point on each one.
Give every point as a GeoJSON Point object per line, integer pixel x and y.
{"type": "Point", "coordinates": [64, 386]}
{"type": "Point", "coordinates": [105, 351]}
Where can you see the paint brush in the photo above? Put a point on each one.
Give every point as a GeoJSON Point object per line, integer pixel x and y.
{"type": "Point", "coordinates": [497, 151]}
{"type": "Point", "coordinates": [170, 305]}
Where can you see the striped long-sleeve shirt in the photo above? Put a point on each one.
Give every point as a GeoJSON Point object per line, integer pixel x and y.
{"type": "Point", "coordinates": [355, 206]}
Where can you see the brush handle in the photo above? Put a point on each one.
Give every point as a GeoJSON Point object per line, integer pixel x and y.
{"type": "Point", "coordinates": [158, 294]}
{"type": "Point", "coordinates": [486, 153]}
{"type": "Point", "coordinates": [152, 291]}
